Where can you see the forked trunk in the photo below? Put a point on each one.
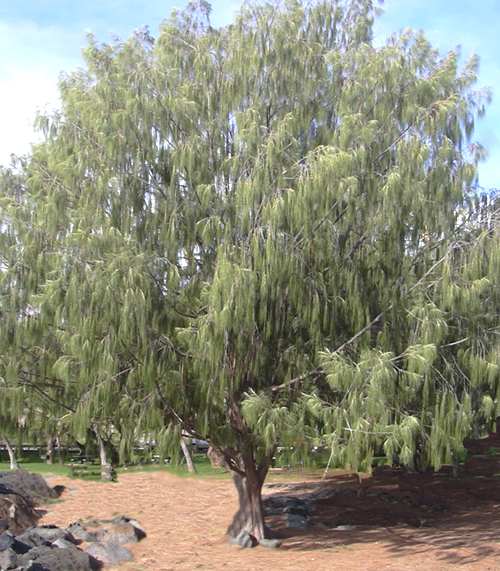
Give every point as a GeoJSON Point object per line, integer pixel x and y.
{"type": "Point", "coordinates": [187, 456]}
{"type": "Point", "coordinates": [50, 450]}
{"type": "Point", "coordinates": [11, 453]}
{"type": "Point", "coordinates": [250, 515]}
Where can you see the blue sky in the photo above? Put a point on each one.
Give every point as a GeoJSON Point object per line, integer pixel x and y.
{"type": "Point", "coordinates": [41, 38]}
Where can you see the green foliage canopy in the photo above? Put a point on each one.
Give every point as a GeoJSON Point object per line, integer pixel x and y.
{"type": "Point", "coordinates": [264, 233]}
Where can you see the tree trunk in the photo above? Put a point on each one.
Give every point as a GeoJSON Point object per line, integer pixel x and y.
{"type": "Point", "coordinates": [106, 468]}
{"type": "Point", "coordinates": [12, 455]}
{"type": "Point", "coordinates": [50, 450]}
{"type": "Point", "coordinates": [187, 456]}
{"type": "Point", "coordinates": [250, 515]}
{"type": "Point", "coordinates": [217, 459]}
{"type": "Point", "coordinates": [60, 453]}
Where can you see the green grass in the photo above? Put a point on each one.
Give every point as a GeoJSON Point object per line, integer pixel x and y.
{"type": "Point", "coordinates": [39, 468]}
{"type": "Point", "coordinates": [203, 469]}
{"type": "Point", "coordinates": [202, 464]}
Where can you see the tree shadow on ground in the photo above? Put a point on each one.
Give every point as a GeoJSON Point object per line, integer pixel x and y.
{"type": "Point", "coordinates": [410, 514]}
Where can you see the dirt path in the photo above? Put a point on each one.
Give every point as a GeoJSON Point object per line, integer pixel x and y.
{"type": "Point", "coordinates": [185, 519]}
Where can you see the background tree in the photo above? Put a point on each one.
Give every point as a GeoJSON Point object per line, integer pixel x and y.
{"type": "Point", "coordinates": [267, 233]}
{"type": "Point", "coordinates": [37, 383]}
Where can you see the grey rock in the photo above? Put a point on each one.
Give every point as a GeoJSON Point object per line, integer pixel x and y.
{"type": "Point", "coordinates": [45, 558]}
{"type": "Point", "coordinates": [8, 559]}
{"type": "Point", "coordinates": [302, 510]}
{"type": "Point", "coordinates": [17, 512]}
{"type": "Point", "coordinates": [33, 540]}
{"type": "Point", "coordinates": [102, 534]}
{"type": "Point", "coordinates": [124, 519]}
{"type": "Point", "coordinates": [43, 535]}
{"type": "Point", "coordinates": [123, 533]}
{"type": "Point", "coordinates": [243, 540]}
{"type": "Point", "coordinates": [275, 505]}
{"type": "Point", "coordinates": [20, 548]}
{"type": "Point", "coordinates": [118, 519]}
{"type": "Point", "coordinates": [111, 553]}
{"type": "Point", "coordinates": [77, 531]}
{"type": "Point", "coordinates": [270, 543]}
{"type": "Point", "coordinates": [268, 532]}
{"type": "Point", "coordinates": [344, 527]}
{"type": "Point", "coordinates": [30, 486]}
{"type": "Point", "coordinates": [93, 522]}
{"type": "Point", "coordinates": [63, 543]}
{"type": "Point", "coordinates": [296, 521]}
{"type": "Point", "coordinates": [139, 530]}
{"type": "Point", "coordinates": [6, 540]}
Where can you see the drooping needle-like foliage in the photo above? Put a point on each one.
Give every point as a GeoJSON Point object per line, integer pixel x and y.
{"type": "Point", "coordinates": [262, 234]}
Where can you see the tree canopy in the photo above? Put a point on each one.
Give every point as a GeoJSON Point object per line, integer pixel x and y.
{"type": "Point", "coordinates": [266, 233]}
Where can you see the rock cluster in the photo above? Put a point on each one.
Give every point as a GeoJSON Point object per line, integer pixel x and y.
{"type": "Point", "coordinates": [43, 548]}
{"type": "Point", "coordinates": [106, 539]}
{"type": "Point", "coordinates": [83, 546]}
{"type": "Point", "coordinates": [296, 511]}
{"type": "Point", "coordinates": [20, 492]}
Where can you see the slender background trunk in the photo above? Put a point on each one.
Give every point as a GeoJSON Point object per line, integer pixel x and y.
{"type": "Point", "coordinates": [106, 468]}
{"type": "Point", "coordinates": [11, 453]}
{"type": "Point", "coordinates": [50, 450]}
{"type": "Point", "coordinates": [187, 455]}
{"type": "Point", "coordinates": [60, 452]}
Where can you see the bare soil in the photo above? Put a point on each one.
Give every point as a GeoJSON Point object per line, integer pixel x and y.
{"type": "Point", "coordinates": [394, 521]}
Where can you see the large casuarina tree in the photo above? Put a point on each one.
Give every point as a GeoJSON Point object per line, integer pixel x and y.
{"type": "Point", "coordinates": [267, 234]}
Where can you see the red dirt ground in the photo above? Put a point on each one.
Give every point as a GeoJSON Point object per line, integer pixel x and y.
{"type": "Point", "coordinates": [186, 518]}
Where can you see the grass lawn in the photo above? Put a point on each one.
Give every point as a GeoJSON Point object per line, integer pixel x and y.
{"type": "Point", "coordinates": [203, 469]}
{"type": "Point", "coordinates": [202, 463]}
{"type": "Point", "coordinates": [38, 468]}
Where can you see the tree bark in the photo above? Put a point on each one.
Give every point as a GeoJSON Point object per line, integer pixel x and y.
{"type": "Point", "coordinates": [11, 453]}
{"type": "Point", "coordinates": [50, 450]}
{"type": "Point", "coordinates": [217, 460]}
{"type": "Point", "coordinates": [250, 515]}
{"type": "Point", "coordinates": [60, 453]}
{"type": "Point", "coordinates": [106, 467]}
{"type": "Point", "coordinates": [187, 455]}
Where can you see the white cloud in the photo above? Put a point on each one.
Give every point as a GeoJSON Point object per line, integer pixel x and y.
{"type": "Point", "coordinates": [31, 59]}
{"type": "Point", "coordinates": [32, 56]}
{"type": "Point", "coordinates": [22, 95]}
